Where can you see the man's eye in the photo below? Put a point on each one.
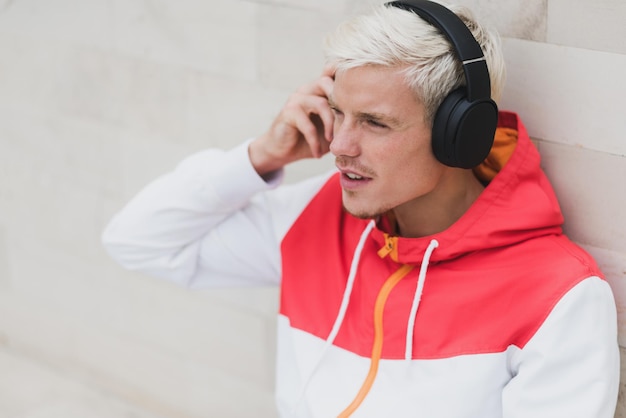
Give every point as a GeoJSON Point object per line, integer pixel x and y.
{"type": "Point", "coordinates": [376, 124]}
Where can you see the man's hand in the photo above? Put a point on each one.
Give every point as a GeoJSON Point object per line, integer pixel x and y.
{"type": "Point", "coordinates": [302, 129]}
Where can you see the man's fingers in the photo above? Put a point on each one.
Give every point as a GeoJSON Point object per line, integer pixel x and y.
{"type": "Point", "coordinates": [309, 130]}
{"type": "Point", "coordinates": [319, 106]}
{"type": "Point", "coordinates": [308, 112]}
{"type": "Point", "coordinates": [325, 87]}
{"type": "Point", "coordinates": [316, 105]}
{"type": "Point", "coordinates": [329, 71]}
{"type": "Point", "coordinates": [327, 117]}
{"type": "Point", "coordinates": [322, 86]}
{"type": "Point", "coordinates": [314, 119]}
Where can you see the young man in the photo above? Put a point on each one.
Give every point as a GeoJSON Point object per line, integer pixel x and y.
{"type": "Point", "coordinates": [418, 280]}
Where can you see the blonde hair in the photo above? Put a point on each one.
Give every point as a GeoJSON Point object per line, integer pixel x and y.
{"type": "Point", "coordinates": [392, 37]}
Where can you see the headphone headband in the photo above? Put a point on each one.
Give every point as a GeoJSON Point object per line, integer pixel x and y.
{"type": "Point", "coordinates": [465, 45]}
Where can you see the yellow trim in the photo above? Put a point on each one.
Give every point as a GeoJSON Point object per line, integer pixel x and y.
{"type": "Point", "coordinates": [377, 347]}
{"type": "Point", "coordinates": [504, 144]}
{"type": "Point", "coordinates": [390, 248]}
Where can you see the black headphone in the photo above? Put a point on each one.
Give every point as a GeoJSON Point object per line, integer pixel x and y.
{"type": "Point", "coordinates": [465, 123]}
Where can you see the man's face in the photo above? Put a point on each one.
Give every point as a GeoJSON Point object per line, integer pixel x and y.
{"type": "Point", "coordinates": [381, 142]}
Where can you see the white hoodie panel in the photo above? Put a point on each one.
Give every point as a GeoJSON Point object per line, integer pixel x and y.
{"type": "Point", "coordinates": [538, 381]}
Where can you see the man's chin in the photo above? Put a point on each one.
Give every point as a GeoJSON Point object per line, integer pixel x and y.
{"type": "Point", "coordinates": [361, 213]}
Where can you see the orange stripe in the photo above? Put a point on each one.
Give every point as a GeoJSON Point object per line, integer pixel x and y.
{"type": "Point", "coordinates": [377, 347]}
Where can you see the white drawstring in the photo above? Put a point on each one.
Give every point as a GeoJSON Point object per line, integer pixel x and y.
{"type": "Point", "coordinates": [342, 309]}
{"type": "Point", "coordinates": [408, 354]}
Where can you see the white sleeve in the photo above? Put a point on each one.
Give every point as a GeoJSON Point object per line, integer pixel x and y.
{"type": "Point", "coordinates": [213, 221]}
{"type": "Point", "coordinates": [570, 368]}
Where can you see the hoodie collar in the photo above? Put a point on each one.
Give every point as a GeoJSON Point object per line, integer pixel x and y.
{"type": "Point", "coordinates": [517, 204]}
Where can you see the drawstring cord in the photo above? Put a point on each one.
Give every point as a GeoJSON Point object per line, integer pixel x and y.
{"type": "Point", "coordinates": [379, 307]}
{"type": "Point", "coordinates": [410, 329]}
{"type": "Point", "coordinates": [342, 309]}
{"type": "Point", "coordinates": [377, 346]}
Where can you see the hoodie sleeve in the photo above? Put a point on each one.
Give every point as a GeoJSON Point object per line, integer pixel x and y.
{"type": "Point", "coordinates": [570, 368]}
{"type": "Point", "coordinates": [213, 221]}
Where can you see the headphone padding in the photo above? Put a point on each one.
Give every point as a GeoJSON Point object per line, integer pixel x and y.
{"type": "Point", "coordinates": [463, 131]}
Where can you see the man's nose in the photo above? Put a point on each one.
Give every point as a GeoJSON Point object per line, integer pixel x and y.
{"type": "Point", "coordinates": [345, 140]}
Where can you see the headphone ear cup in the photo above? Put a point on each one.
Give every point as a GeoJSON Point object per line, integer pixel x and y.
{"type": "Point", "coordinates": [463, 131]}
{"type": "Point", "coordinates": [443, 134]}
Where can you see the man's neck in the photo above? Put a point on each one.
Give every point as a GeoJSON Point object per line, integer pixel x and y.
{"type": "Point", "coordinates": [439, 209]}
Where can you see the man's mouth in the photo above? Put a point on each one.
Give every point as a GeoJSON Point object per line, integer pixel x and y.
{"type": "Point", "coordinates": [353, 176]}
{"type": "Point", "coordinates": [351, 181]}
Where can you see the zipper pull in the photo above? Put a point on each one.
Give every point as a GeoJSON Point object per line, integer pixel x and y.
{"type": "Point", "coordinates": [387, 248]}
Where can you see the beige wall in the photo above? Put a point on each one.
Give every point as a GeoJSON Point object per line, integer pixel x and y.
{"type": "Point", "coordinates": [97, 97]}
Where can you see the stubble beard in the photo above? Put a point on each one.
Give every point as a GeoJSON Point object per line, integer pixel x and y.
{"type": "Point", "coordinates": [363, 214]}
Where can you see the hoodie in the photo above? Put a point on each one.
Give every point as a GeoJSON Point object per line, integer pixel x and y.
{"type": "Point", "coordinates": [500, 315]}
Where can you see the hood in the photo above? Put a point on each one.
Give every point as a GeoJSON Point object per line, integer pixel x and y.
{"type": "Point", "coordinates": [518, 203]}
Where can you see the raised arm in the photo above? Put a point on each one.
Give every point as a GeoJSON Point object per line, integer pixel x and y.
{"type": "Point", "coordinates": [219, 217]}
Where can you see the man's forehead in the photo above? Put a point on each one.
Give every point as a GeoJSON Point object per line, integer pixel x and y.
{"type": "Point", "coordinates": [373, 83]}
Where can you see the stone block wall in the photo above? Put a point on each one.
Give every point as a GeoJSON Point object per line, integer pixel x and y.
{"type": "Point", "coordinates": [97, 97]}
